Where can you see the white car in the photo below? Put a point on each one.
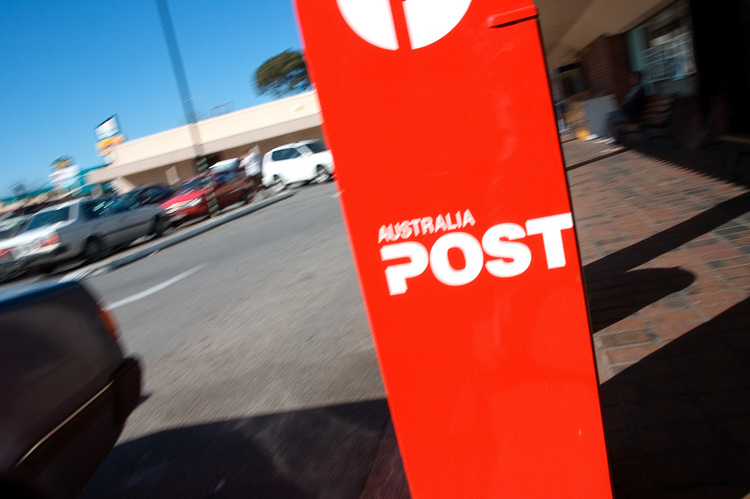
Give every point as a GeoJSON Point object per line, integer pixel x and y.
{"type": "Point", "coordinates": [305, 161]}
{"type": "Point", "coordinates": [84, 228]}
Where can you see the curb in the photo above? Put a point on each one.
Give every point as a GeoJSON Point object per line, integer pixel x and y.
{"type": "Point", "coordinates": [167, 242]}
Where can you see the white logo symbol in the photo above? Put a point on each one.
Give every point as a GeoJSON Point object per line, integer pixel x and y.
{"type": "Point", "coordinates": [427, 21]}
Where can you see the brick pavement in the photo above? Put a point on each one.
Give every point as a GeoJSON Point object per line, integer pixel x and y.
{"type": "Point", "coordinates": [666, 253]}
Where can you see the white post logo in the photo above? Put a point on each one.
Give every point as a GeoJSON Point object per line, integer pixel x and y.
{"type": "Point", "coordinates": [427, 21]}
{"type": "Point", "coordinates": [502, 243]}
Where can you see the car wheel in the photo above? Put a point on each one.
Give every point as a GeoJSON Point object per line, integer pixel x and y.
{"type": "Point", "coordinates": [321, 175]}
{"type": "Point", "coordinates": [159, 227]}
{"type": "Point", "coordinates": [92, 251]}
{"type": "Point", "coordinates": [278, 184]}
{"type": "Point", "coordinates": [47, 268]}
{"type": "Point", "coordinates": [246, 197]}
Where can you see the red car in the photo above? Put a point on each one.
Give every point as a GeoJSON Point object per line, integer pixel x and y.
{"type": "Point", "coordinates": [191, 199]}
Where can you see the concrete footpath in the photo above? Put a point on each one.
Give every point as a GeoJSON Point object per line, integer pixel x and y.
{"type": "Point", "coordinates": [665, 243]}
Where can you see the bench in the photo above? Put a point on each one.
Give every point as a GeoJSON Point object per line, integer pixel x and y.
{"type": "Point", "coordinates": [738, 142]}
{"type": "Point", "coordinates": [655, 120]}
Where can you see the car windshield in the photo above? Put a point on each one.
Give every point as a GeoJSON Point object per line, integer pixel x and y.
{"type": "Point", "coordinates": [316, 146]}
{"type": "Point", "coordinates": [151, 193]}
{"type": "Point", "coordinates": [46, 218]}
{"type": "Point", "coordinates": [94, 208]}
{"type": "Point", "coordinates": [191, 185]}
{"type": "Point", "coordinates": [120, 203]}
{"type": "Point", "coordinates": [11, 227]}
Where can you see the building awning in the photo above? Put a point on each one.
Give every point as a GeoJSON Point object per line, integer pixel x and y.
{"type": "Point", "coordinates": [569, 26]}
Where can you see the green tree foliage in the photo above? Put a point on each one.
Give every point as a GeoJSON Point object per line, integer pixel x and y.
{"type": "Point", "coordinates": [283, 74]}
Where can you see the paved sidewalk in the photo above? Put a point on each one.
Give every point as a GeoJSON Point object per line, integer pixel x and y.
{"type": "Point", "coordinates": [666, 253]}
{"type": "Point", "coordinates": [666, 250]}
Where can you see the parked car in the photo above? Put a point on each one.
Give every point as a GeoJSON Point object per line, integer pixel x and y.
{"type": "Point", "coordinates": [66, 389]}
{"type": "Point", "coordinates": [152, 193]}
{"type": "Point", "coordinates": [12, 226]}
{"type": "Point", "coordinates": [9, 266]}
{"type": "Point", "coordinates": [191, 199]}
{"type": "Point", "coordinates": [306, 161]}
{"type": "Point", "coordinates": [26, 209]}
{"type": "Point", "coordinates": [225, 165]}
{"type": "Point", "coordinates": [86, 228]}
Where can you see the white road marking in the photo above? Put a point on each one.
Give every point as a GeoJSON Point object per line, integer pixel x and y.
{"type": "Point", "coordinates": [77, 275]}
{"type": "Point", "coordinates": [154, 289]}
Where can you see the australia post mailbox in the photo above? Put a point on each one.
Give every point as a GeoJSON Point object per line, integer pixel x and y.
{"type": "Point", "coordinates": [451, 180]}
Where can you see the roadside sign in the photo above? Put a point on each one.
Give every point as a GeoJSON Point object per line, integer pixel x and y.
{"type": "Point", "coordinates": [451, 180]}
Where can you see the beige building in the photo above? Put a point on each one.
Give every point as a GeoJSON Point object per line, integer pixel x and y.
{"type": "Point", "coordinates": [590, 45]}
{"type": "Point", "coordinates": [169, 156]}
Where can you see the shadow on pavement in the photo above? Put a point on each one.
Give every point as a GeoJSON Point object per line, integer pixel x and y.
{"type": "Point", "coordinates": [672, 238]}
{"type": "Point", "coordinates": [621, 294]}
{"type": "Point", "coordinates": [573, 163]}
{"type": "Point", "coordinates": [615, 291]}
{"type": "Point", "coordinates": [678, 421]}
{"type": "Point", "coordinates": [322, 452]}
{"type": "Point", "coordinates": [711, 161]}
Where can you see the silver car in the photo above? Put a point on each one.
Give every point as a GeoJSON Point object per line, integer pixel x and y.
{"type": "Point", "coordinates": [83, 229]}
{"type": "Point", "coordinates": [9, 227]}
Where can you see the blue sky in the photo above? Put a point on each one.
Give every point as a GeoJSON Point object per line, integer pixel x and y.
{"type": "Point", "coordinates": [67, 66]}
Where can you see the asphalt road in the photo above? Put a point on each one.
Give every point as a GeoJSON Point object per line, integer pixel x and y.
{"type": "Point", "coordinates": [260, 373]}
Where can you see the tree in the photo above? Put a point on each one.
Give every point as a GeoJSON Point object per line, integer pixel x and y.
{"type": "Point", "coordinates": [19, 189]}
{"type": "Point", "coordinates": [283, 74]}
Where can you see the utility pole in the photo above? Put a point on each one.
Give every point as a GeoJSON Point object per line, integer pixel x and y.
{"type": "Point", "coordinates": [187, 103]}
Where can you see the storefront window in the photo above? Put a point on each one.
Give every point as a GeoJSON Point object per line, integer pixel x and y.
{"type": "Point", "coordinates": [667, 53]}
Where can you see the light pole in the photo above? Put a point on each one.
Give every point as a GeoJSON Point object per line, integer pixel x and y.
{"type": "Point", "coordinates": [187, 103]}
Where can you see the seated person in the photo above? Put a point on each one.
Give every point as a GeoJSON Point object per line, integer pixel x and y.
{"type": "Point", "coordinates": [630, 109]}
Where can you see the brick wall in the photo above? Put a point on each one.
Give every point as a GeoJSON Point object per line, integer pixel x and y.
{"type": "Point", "coordinates": [605, 66]}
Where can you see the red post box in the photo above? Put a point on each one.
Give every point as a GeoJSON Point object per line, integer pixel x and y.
{"type": "Point", "coordinates": [455, 199]}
